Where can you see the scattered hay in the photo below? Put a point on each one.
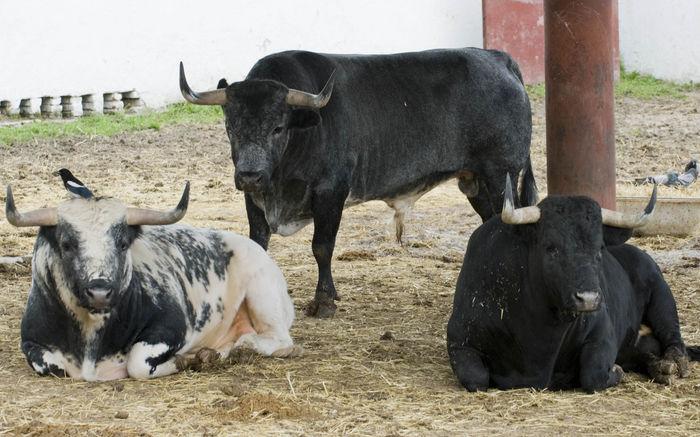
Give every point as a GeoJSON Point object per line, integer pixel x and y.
{"type": "Point", "coordinates": [348, 381]}
{"type": "Point", "coordinates": [354, 255]}
{"type": "Point", "coordinates": [250, 407]}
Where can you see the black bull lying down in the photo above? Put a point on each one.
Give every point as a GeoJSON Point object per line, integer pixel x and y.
{"type": "Point", "coordinates": [550, 297]}
{"type": "Point", "coordinates": [387, 127]}
{"type": "Point", "coordinates": [112, 296]}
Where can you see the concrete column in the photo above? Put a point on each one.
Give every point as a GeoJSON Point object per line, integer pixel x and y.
{"type": "Point", "coordinates": [6, 108]}
{"type": "Point", "coordinates": [25, 108]}
{"type": "Point", "coordinates": [88, 103]}
{"type": "Point", "coordinates": [580, 103]}
{"type": "Point", "coordinates": [66, 106]}
{"type": "Point", "coordinates": [46, 107]}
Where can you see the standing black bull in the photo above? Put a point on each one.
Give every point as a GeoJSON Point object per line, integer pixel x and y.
{"type": "Point", "coordinates": [550, 297]}
{"type": "Point", "coordinates": [396, 126]}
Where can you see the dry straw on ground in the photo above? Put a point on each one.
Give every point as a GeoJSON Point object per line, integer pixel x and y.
{"type": "Point", "coordinates": [350, 380]}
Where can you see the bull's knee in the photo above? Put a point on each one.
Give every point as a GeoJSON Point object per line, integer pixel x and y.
{"type": "Point", "coordinates": [144, 360]}
{"type": "Point", "coordinates": [43, 361]}
{"type": "Point", "coordinates": [469, 368]}
{"type": "Point", "coordinates": [596, 379]}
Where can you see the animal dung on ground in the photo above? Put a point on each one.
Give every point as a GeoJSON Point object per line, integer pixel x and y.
{"type": "Point", "coordinates": [388, 335]}
{"type": "Point", "coordinates": [122, 415]}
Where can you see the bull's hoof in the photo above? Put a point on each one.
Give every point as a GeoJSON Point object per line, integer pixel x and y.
{"type": "Point", "coordinates": [203, 359]}
{"type": "Point", "coordinates": [663, 371]}
{"type": "Point", "coordinates": [288, 352]}
{"type": "Point", "coordinates": [324, 309]}
{"type": "Point", "coordinates": [207, 355]}
{"type": "Point", "coordinates": [681, 360]}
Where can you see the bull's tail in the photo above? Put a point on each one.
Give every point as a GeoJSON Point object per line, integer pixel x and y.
{"type": "Point", "coordinates": [693, 353]}
{"type": "Point", "coordinates": [528, 188]}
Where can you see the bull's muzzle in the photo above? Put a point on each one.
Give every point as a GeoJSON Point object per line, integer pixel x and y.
{"type": "Point", "coordinates": [99, 293]}
{"type": "Point", "coordinates": [587, 301]}
{"type": "Point", "coordinates": [250, 181]}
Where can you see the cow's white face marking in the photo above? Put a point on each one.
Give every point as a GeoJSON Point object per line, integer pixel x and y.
{"type": "Point", "coordinates": [93, 220]}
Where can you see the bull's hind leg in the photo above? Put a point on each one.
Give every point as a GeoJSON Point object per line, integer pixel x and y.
{"type": "Point", "coordinates": [265, 316]}
{"type": "Point", "coordinates": [662, 317]}
{"type": "Point", "coordinates": [647, 356]}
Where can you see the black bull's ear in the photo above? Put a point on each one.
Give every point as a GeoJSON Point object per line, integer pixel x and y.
{"type": "Point", "coordinates": [615, 236]}
{"type": "Point", "coordinates": [304, 118]}
{"type": "Point", "coordinates": [222, 84]}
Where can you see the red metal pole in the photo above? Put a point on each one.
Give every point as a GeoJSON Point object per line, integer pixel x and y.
{"type": "Point", "coordinates": [579, 103]}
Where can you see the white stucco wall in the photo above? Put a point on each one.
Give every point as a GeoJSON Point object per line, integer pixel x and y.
{"type": "Point", "coordinates": [54, 47]}
{"type": "Point", "coordinates": [661, 38]}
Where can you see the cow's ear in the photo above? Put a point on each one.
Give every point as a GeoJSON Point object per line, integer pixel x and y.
{"type": "Point", "coordinates": [615, 236]}
{"type": "Point", "coordinates": [304, 119]}
{"type": "Point", "coordinates": [222, 84]}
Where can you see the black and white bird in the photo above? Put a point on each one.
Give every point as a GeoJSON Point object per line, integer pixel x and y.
{"type": "Point", "coordinates": [73, 185]}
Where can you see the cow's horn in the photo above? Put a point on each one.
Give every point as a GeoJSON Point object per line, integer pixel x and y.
{"type": "Point", "coordinates": [520, 216]}
{"type": "Point", "coordinates": [138, 216]}
{"type": "Point", "coordinates": [214, 97]}
{"type": "Point", "coordinates": [37, 217]}
{"type": "Point", "coordinates": [629, 221]}
{"type": "Point", "coordinates": [301, 98]}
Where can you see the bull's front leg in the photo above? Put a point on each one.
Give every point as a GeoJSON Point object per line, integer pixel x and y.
{"type": "Point", "coordinates": [151, 360]}
{"type": "Point", "coordinates": [259, 230]}
{"type": "Point", "coordinates": [327, 208]}
{"type": "Point", "coordinates": [45, 361]}
{"type": "Point", "coordinates": [598, 368]}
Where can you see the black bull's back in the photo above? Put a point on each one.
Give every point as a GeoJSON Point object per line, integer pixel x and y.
{"type": "Point", "coordinates": [400, 123]}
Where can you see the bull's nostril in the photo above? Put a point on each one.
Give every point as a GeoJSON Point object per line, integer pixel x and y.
{"type": "Point", "coordinates": [250, 176]}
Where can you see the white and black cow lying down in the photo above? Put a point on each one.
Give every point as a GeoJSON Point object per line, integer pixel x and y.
{"type": "Point", "coordinates": [116, 294]}
{"type": "Point", "coordinates": [549, 296]}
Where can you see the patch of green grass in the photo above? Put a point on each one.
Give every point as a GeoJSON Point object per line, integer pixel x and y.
{"type": "Point", "coordinates": [107, 125]}
{"type": "Point", "coordinates": [647, 87]}
{"type": "Point", "coordinates": [535, 90]}
{"type": "Point", "coordinates": [637, 85]}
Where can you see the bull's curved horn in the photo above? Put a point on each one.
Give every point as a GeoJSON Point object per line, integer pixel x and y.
{"type": "Point", "coordinates": [37, 217]}
{"type": "Point", "coordinates": [520, 216]}
{"type": "Point", "coordinates": [214, 97]}
{"type": "Point", "coordinates": [301, 98]}
{"type": "Point", "coordinates": [629, 221]}
{"type": "Point", "coordinates": [138, 216]}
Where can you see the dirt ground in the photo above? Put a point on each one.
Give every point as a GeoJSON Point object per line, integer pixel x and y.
{"type": "Point", "coordinates": [350, 380]}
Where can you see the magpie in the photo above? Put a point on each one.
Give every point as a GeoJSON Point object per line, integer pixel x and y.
{"type": "Point", "coordinates": [73, 185]}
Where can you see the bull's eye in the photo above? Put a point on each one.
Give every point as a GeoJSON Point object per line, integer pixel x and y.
{"type": "Point", "coordinates": [67, 246]}
{"type": "Point", "coordinates": [123, 246]}
{"type": "Point", "coordinates": [278, 130]}
{"type": "Point", "coordinates": [551, 249]}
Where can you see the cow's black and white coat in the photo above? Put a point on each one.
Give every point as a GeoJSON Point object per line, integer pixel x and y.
{"type": "Point", "coordinates": [178, 289]}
